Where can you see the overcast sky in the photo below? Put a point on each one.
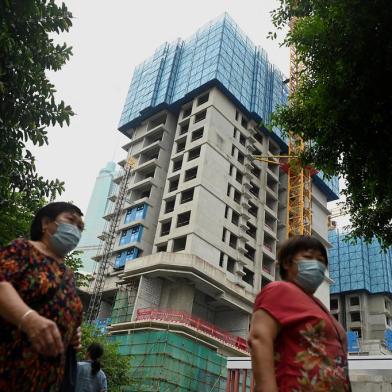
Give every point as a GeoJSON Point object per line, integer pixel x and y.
{"type": "Point", "coordinates": [109, 38]}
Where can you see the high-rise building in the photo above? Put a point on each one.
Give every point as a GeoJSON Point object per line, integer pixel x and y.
{"type": "Point", "coordinates": [199, 229]}
{"type": "Point", "coordinates": [361, 292]}
{"type": "Point", "coordinates": [94, 223]}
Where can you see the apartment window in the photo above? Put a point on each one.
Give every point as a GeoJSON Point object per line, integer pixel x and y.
{"type": "Point", "coordinates": [354, 301]}
{"type": "Point", "coordinates": [358, 331]}
{"type": "Point", "coordinates": [181, 146]}
{"type": "Point", "coordinates": [334, 304]}
{"type": "Point", "coordinates": [200, 116]}
{"type": "Point", "coordinates": [221, 259]}
{"type": "Point", "coordinates": [165, 228]}
{"type": "Point", "coordinates": [187, 112]}
{"type": "Point", "coordinates": [239, 177]}
{"type": "Point", "coordinates": [187, 195]}
{"type": "Point", "coordinates": [231, 171]}
{"type": "Point", "coordinates": [241, 157]}
{"type": "Point", "coordinates": [252, 230]}
{"type": "Point", "coordinates": [250, 252]}
{"type": "Point", "coordinates": [244, 122]}
{"type": "Point", "coordinates": [249, 276]}
{"type": "Point", "coordinates": [183, 219]}
{"type": "Point", "coordinates": [203, 99]}
{"type": "Point", "coordinates": [162, 248]}
{"type": "Point", "coordinates": [237, 196]}
{"type": "Point", "coordinates": [255, 190]}
{"type": "Point", "coordinates": [259, 137]}
{"type": "Point", "coordinates": [198, 134]}
{"type": "Point", "coordinates": [184, 128]}
{"type": "Point", "coordinates": [226, 211]}
{"type": "Point", "coordinates": [177, 165]}
{"type": "Point", "coordinates": [237, 114]}
{"type": "Point", "coordinates": [257, 151]}
{"type": "Point", "coordinates": [235, 218]}
{"type": "Point", "coordinates": [253, 210]}
{"type": "Point", "coordinates": [242, 139]}
{"type": "Point", "coordinates": [228, 190]}
{"type": "Point", "coordinates": [190, 174]}
{"type": "Point", "coordinates": [173, 184]}
{"type": "Point", "coordinates": [232, 151]}
{"type": "Point", "coordinates": [231, 264]}
{"type": "Point", "coordinates": [194, 153]}
{"type": "Point", "coordinates": [355, 316]}
{"type": "Point", "coordinates": [233, 241]}
{"type": "Point", "coordinates": [150, 174]}
{"type": "Point", "coordinates": [179, 244]}
{"type": "Point", "coordinates": [235, 133]}
{"type": "Point", "coordinates": [224, 231]}
{"type": "Point", "coordinates": [169, 206]}
{"type": "Point", "coordinates": [256, 171]}
{"type": "Point", "coordinates": [145, 193]}
{"type": "Point", "coordinates": [157, 121]}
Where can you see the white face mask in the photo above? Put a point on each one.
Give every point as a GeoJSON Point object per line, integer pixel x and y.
{"type": "Point", "coordinates": [65, 239]}
{"type": "Point", "coordinates": [311, 274]}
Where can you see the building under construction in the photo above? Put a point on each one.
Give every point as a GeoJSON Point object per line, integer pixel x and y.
{"type": "Point", "coordinates": [193, 230]}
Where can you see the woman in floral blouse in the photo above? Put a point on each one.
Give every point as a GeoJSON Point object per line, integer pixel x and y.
{"type": "Point", "coordinates": [40, 311]}
{"type": "Point", "coordinates": [296, 345]}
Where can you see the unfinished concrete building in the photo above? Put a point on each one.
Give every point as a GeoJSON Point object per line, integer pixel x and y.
{"type": "Point", "coordinates": [199, 230]}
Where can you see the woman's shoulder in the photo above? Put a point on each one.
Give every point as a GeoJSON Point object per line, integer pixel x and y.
{"type": "Point", "coordinates": [280, 285]}
{"type": "Point", "coordinates": [17, 246]}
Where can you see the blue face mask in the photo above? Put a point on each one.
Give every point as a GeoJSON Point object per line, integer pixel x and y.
{"type": "Point", "coordinates": [311, 274]}
{"type": "Point", "coordinates": [65, 239]}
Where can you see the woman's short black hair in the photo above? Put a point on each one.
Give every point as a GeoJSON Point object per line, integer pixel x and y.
{"type": "Point", "coordinates": [50, 211]}
{"type": "Point", "coordinates": [293, 245]}
{"type": "Point", "coordinates": [95, 351]}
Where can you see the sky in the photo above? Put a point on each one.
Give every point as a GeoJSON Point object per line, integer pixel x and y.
{"type": "Point", "coordinates": [109, 38]}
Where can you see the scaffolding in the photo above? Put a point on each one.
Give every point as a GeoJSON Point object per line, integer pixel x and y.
{"type": "Point", "coordinates": [96, 297]}
{"type": "Point", "coordinates": [169, 362]}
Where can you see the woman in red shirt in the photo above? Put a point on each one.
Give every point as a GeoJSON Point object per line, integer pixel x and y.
{"type": "Point", "coordinates": [296, 344]}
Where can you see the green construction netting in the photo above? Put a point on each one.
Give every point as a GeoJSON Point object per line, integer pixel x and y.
{"type": "Point", "coordinates": [166, 361]}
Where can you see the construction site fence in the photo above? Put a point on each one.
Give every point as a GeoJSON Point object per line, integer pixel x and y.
{"type": "Point", "coordinates": [171, 316]}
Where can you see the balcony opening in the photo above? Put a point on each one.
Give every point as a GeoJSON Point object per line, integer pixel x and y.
{"type": "Point", "coordinates": [190, 174]}
{"type": "Point", "coordinates": [165, 228]}
{"type": "Point", "coordinates": [227, 211]}
{"type": "Point", "coordinates": [203, 99]}
{"type": "Point", "coordinates": [235, 218]}
{"type": "Point", "coordinates": [187, 196]}
{"type": "Point", "coordinates": [256, 172]}
{"type": "Point", "coordinates": [184, 128]}
{"type": "Point", "coordinates": [250, 252]}
{"type": "Point", "coordinates": [233, 241]}
{"type": "Point", "coordinates": [252, 231]}
{"type": "Point", "coordinates": [200, 116]}
{"type": "Point", "coordinates": [194, 153]}
{"type": "Point", "coordinates": [198, 134]}
{"type": "Point", "coordinates": [354, 301]}
{"type": "Point", "coordinates": [177, 165]}
{"type": "Point", "coordinates": [254, 189]}
{"type": "Point", "coordinates": [221, 259]}
{"type": "Point", "coordinates": [242, 139]}
{"type": "Point", "coordinates": [180, 146]}
{"type": "Point", "coordinates": [334, 304]}
{"type": "Point", "coordinates": [235, 133]}
{"type": "Point", "coordinates": [249, 276]}
{"type": "Point", "coordinates": [169, 206]}
{"type": "Point", "coordinates": [259, 137]}
{"type": "Point", "coordinates": [233, 151]}
{"type": "Point", "coordinates": [224, 231]}
{"type": "Point", "coordinates": [244, 122]}
{"type": "Point", "coordinates": [173, 185]}
{"type": "Point", "coordinates": [241, 157]}
{"type": "Point", "coordinates": [237, 115]}
{"type": "Point", "coordinates": [157, 121]}
{"type": "Point", "coordinates": [183, 219]}
{"type": "Point", "coordinates": [237, 196]}
{"type": "Point", "coordinates": [231, 264]}
{"type": "Point", "coordinates": [162, 248]}
{"type": "Point", "coordinates": [179, 244]}
{"type": "Point", "coordinates": [228, 190]}
{"type": "Point", "coordinates": [187, 111]}
{"type": "Point", "coordinates": [253, 210]}
{"type": "Point", "coordinates": [239, 177]}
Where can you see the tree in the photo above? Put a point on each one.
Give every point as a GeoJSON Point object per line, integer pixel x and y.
{"type": "Point", "coordinates": [74, 262]}
{"type": "Point", "coordinates": [117, 367]}
{"type": "Point", "coordinates": [27, 104]}
{"type": "Point", "coordinates": [343, 100]}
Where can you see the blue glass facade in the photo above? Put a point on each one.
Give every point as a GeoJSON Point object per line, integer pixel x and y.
{"type": "Point", "coordinates": [359, 266]}
{"type": "Point", "coordinates": [125, 256]}
{"type": "Point", "coordinates": [136, 213]}
{"type": "Point", "coordinates": [219, 54]}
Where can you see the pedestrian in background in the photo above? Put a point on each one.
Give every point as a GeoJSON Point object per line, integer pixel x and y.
{"type": "Point", "coordinates": [90, 377]}
{"type": "Point", "coordinates": [40, 311]}
{"type": "Point", "coordinates": [296, 344]}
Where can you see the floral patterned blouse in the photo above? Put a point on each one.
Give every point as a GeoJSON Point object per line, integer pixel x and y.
{"type": "Point", "coordinates": [310, 349]}
{"type": "Point", "coordinates": [48, 287]}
